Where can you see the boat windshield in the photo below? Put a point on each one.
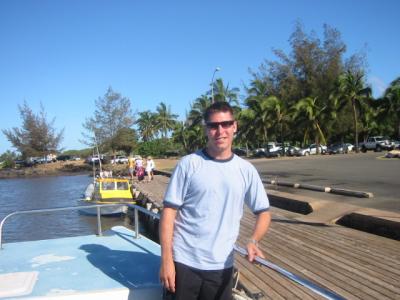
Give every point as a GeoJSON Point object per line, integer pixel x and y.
{"type": "Point", "coordinates": [108, 186]}
{"type": "Point", "coordinates": [122, 186]}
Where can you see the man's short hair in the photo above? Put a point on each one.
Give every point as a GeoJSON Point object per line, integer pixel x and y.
{"type": "Point", "coordinates": [217, 107]}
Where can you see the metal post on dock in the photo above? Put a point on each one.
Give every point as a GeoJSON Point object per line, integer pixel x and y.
{"type": "Point", "coordinates": [136, 223]}
{"type": "Point", "coordinates": [99, 230]}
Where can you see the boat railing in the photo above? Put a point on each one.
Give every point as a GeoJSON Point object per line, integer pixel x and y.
{"type": "Point", "coordinates": [240, 250]}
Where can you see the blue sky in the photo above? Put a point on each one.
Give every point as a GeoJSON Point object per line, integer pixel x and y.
{"type": "Point", "coordinates": [66, 53]}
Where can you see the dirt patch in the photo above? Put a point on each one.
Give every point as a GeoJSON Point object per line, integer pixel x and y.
{"type": "Point", "coordinates": [166, 164]}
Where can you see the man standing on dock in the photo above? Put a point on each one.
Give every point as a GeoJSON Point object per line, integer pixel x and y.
{"type": "Point", "coordinates": [203, 206]}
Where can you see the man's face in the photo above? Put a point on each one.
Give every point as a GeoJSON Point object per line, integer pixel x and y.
{"type": "Point", "coordinates": [220, 129]}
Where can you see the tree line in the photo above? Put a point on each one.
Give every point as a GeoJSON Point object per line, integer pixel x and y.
{"type": "Point", "coordinates": [313, 94]}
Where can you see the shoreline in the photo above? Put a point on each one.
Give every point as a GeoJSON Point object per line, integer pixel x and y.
{"type": "Point", "coordinates": [46, 170]}
{"type": "Point", "coordinates": [68, 168]}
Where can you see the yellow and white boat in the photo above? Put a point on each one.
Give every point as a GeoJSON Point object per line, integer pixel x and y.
{"type": "Point", "coordinates": [109, 191]}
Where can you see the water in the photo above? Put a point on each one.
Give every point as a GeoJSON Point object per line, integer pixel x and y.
{"type": "Point", "coordinates": [47, 192]}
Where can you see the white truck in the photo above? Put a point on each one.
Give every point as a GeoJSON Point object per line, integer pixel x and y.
{"type": "Point", "coordinates": [270, 147]}
{"type": "Point", "coordinates": [377, 143]}
{"type": "Point", "coordinates": [120, 159]}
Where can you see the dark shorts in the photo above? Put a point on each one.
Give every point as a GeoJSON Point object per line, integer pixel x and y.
{"type": "Point", "coordinates": [194, 284]}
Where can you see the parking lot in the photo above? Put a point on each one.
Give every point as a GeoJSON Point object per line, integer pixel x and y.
{"type": "Point", "coordinates": [368, 172]}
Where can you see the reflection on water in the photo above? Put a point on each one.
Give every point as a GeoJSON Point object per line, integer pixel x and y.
{"type": "Point", "coordinates": [47, 192]}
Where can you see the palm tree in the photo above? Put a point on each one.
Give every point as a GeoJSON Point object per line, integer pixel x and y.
{"type": "Point", "coordinates": [181, 135]}
{"type": "Point", "coordinates": [392, 96]}
{"type": "Point", "coordinates": [308, 112]}
{"type": "Point", "coordinates": [280, 113]}
{"type": "Point", "coordinates": [262, 121]}
{"type": "Point", "coordinates": [224, 93]}
{"type": "Point", "coordinates": [352, 89]}
{"type": "Point", "coordinates": [198, 109]}
{"type": "Point", "coordinates": [165, 119]}
{"type": "Point", "coordinates": [147, 125]}
{"type": "Point", "coordinates": [246, 134]}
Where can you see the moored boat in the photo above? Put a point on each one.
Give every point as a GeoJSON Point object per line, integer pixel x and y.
{"type": "Point", "coordinates": [108, 190]}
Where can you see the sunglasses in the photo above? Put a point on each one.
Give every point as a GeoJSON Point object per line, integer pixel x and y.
{"type": "Point", "coordinates": [224, 124]}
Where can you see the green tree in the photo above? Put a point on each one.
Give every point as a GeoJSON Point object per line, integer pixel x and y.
{"type": "Point", "coordinates": [37, 136]}
{"type": "Point", "coordinates": [7, 159]}
{"type": "Point", "coordinates": [125, 139]}
{"type": "Point", "coordinates": [180, 135]}
{"type": "Point", "coordinates": [147, 125]}
{"type": "Point", "coordinates": [246, 134]}
{"type": "Point", "coordinates": [261, 110]}
{"type": "Point", "coordinates": [308, 113]}
{"type": "Point", "coordinates": [223, 93]}
{"type": "Point", "coordinates": [197, 110]}
{"type": "Point", "coordinates": [165, 119]}
{"type": "Point", "coordinates": [112, 113]}
{"type": "Point", "coordinates": [392, 99]}
{"type": "Point", "coordinates": [352, 89]}
{"type": "Point", "coordinates": [279, 112]}
{"type": "Point", "coordinates": [192, 130]}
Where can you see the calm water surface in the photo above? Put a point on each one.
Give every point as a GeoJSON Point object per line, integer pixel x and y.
{"type": "Point", "coordinates": [47, 192]}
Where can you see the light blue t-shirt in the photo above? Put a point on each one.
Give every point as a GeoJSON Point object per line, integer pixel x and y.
{"type": "Point", "coordinates": [209, 195]}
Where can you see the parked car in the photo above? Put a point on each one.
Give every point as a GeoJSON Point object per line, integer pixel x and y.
{"type": "Point", "coordinates": [119, 159]}
{"type": "Point", "coordinates": [21, 163]}
{"type": "Point", "coordinates": [65, 157]}
{"type": "Point", "coordinates": [292, 150]}
{"type": "Point", "coordinates": [241, 151]}
{"type": "Point", "coordinates": [337, 148]}
{"type": "Point", "coordinates": [312, 149]}
{"type": "Point", "coordinates": [268, 154]}
{"type": "Point", "coordinates": [95, 159]}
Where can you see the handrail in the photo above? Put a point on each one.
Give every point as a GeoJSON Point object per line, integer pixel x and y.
{"type": "Point", "coordinates": [241, 251]}
{"type": "Point", "coordinates": [21, 212]}
{"type": "Point", "coordinates": [302, 281]}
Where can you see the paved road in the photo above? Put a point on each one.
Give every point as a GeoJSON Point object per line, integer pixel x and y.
{"type": "Point", "coordinates": [366, 172]}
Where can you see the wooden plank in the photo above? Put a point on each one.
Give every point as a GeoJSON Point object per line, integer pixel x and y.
{"type": "Point", "coordinates": [317, 254]}
{"type": "Point", "coordinates": [367, 257]}
{"type": "Point", "coordinates": [347, 279]}
{"type": "Point", "coordinates": [331, 236]}
{"type": "Point", "coordinates": [352, 257]}
{"type": "Point", "coordinates": [268, 279]}
{"type": "Point", "coordinates": [280, 257]}
{"type": "Point", "coordinates": [343, 275]}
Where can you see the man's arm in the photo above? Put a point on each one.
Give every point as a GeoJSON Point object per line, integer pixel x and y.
{"type": "Point", "coordinates": [167, 269]}
{"type": "Point", "coordinates": [260, 229]}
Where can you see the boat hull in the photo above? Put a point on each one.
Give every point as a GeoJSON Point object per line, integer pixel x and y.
{"type": "Point", "coordinates": [104, 210]}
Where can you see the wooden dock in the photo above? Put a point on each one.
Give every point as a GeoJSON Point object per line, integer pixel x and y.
{"type": "Point", "coordinates": [351, 263]}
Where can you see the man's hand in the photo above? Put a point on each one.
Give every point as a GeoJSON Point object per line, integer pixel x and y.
{"type": "Point", "coordinates": [253, 251]}
{"type": "Point", "coordinates": [167, 275]}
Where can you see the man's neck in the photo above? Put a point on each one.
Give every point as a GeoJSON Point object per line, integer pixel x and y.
{"type": "Point", "coordinates": [220, 155]}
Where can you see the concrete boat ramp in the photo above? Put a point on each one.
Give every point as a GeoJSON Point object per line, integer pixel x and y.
{"type": "Point", "coordinates": [351, 263]}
